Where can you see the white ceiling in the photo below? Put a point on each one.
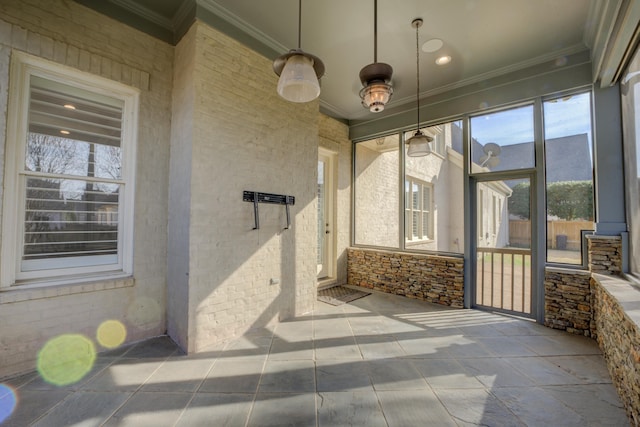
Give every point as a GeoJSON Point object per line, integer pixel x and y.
{"type": "Point", "coordinates": [485, 38]}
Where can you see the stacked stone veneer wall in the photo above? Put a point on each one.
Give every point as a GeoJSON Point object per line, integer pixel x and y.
{"type": "Point", "coordinates": [432, 278]}
{"type": "Point", "coordinates": [605, 254]}
{"type": "Point", "coordinates": [603, 305]}
{"type": "Point", "coordinates": [568, 301]}
{"type": "Point", "coordinates": [617, 322]}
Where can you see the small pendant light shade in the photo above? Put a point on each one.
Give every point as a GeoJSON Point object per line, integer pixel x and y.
{"type": "Point", "coordinates": [298, 81]}
{"type": "Point", "coordinates": [299, 71]}
{"type": "Point", "coordinates": [419, 145]}
{"type": "Point", "coordinates": [376, 77]}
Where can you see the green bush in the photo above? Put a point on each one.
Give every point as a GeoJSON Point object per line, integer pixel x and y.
{"type": "Point", "coordinates": [569, 200]}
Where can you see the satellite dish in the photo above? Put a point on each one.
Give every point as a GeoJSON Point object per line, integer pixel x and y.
{"type": "Point", "coordinates": [490, 158]}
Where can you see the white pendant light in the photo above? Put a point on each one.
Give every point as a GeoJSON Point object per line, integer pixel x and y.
{"type": "Point", "coordinates": [419, 143]}
{"type": "Point", "coordinates": [376, 77]}
{"type": "Point", "coordinates": [299, 71]}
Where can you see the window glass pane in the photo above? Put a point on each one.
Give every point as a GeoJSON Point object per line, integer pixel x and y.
{"type": "Point", "coordinates": [73, 132]}
{"type": "Point", "coordinates": [503, 140]}
{"type": "Point", "coordinates": [438, 181]}
{"type": "Point", "coordinates": [69, 218]}
{"type": "Point", "coordinates": [377, 192]}
{"type": "Point", "coordinates": [569, 176]}
{"type": "Point", "coordinates": [631, 140]}
{"type": "Point", "coordinates": [415, 196]}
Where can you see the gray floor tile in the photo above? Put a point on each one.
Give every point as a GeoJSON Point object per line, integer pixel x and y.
{"type": "Point", "coordinates": [39, 383]}
{"type": "Point", "coordinates": [395, 374]}
{"type": "Point", "coordinates": [561, 345]}
{"type": "Point", "coordinates": [155, 409]}
{"type": "Point", "coordinates": [337, 348]}
{"type": "Point", "coordinates": [178, 374]}
{"type": "Point", "coordinates": [591, 369]}
{"type": "Point", "coordinates": [124, 375]}
{"type": "Point", "coordinates": [446, 373]}
{"type": "Point", "coordinates": [247, 347]}
{"type": "Point", "coordinates": [535, 407]}
{"type": "Point", "coordinates": [233, 376]}
{"type": "Point", "coordinates": [153, 348]}
{"type": "Point", "coordinates": [379, 346]}
{"type": "Point", "coordinates": [495, 372]}
{"type": "Point", "coordinates": [331, 328]}
{"type": "Point", "coordinates": [542, 371]}
{"type": "Point", "coordinates": [84, 409]}
{"type": "Point", "coordinates": [291, 350]}
{"type": "Point", "coordinates": [414, 408]}
{"type": "Point", "coordinates": [291, 376]}
{"type": "Point", "coordinates": [598, 405]}
{"type": "Point", "coordinates": [280, 409]}
{"type": "Point", "coordinates": [295, 330]}
{"type": "Point", "coordinates": [430, 365]}
{"type": "Point", "coordinates": [349, 409]}
{"type": "Point", "coordinates": [217, 409]}
{"type": "Point", "coordinates": [477, 407]}
{"type": "Point", "coordinates": [25, 406]}
{"type": "Point", "coordinates": [505, 346]}
{"type": "Point", "coordinates": [342, 376]}
{"type": "Point", "coordinates": [425, 348]}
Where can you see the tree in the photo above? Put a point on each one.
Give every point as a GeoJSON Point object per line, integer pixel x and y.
{"type": "Point", "coordinates": [568, 200]}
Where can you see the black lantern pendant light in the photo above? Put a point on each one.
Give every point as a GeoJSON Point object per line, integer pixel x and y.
{"type": "Point", "coordinates": [419, 143]}
{"type": "Point", "coordinates": [299, 71]}
{"type": "Point", "coordinates": [376, 77]}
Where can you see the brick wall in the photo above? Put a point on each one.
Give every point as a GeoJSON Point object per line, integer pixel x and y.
{"type": "Point", "coordinates": [432, 278]}
{"type": "Point", "coordinates": [66, 33]}
{"type": "Point", "coordinates": [243, 137]}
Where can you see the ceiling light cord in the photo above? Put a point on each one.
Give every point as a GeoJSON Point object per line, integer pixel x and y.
{"type": "Point", "coordinates": [418, 77]}
{"type": "Point", "coordinates": [299, 24]}
{"type": "Point", "coordinates": [375, 31]}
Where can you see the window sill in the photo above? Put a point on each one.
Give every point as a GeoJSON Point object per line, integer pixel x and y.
{"type": "Point", "coordinates": [42, 290]}
{"type": "Point", "coordinates": [417, 242]}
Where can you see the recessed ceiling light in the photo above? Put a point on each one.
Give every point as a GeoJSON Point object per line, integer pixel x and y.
{"type": "Point", "coordinates": [70, 106]}
{"type": "Point", "coordinates": [65, 132]}
{"type": "Point", "coordinates": [443, 60]}
{"type": "Point", "coordinates": [432, 45]}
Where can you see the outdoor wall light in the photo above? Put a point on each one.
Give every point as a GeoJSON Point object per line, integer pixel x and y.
{"type": "Point", "coordinates": [299, 71]}
{"type": "Point", "coordinates": [419, 142]}
{"type": "Point", "coordinates": [376, 77]}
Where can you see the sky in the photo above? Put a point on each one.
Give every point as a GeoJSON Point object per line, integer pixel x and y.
{"type": "Point", "coordinates": [562, 118]}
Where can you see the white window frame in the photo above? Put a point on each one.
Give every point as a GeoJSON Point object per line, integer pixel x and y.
{"type": "Point", "coordinates": [423, 236]}
{"type": "Point", "coordinates": [23, 66]}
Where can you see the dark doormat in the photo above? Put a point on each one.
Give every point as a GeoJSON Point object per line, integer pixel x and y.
{"type": "Point", "coordinates": [339, 295]}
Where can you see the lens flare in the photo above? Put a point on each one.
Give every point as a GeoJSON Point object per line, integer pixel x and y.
{"type": "Point", "coordinates": [8, 402]}
{"type": "Point", "coordinates": [111, 333]}
{"type": "Point", "coordinates": [66, 359]}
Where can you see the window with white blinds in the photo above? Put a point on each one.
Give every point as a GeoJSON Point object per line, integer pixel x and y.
{"type": "Point", "coordinates": [418, 210]}
{"type": "Point", "coordinates": [73, 201]}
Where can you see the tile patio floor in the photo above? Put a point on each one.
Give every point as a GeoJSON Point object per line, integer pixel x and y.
{"type": "Point", "coordinates": [382, 360]}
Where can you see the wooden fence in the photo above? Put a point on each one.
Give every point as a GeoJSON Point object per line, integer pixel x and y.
{"type": "Point", "coordinates": [560, 234]}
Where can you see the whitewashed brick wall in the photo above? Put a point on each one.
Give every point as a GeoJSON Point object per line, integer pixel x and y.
{"type": "Point", "coordinates": [66, 33]}
{"type": "Point", "coordinates": [244, 138]}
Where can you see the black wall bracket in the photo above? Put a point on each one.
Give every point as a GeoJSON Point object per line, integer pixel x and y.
{"type": "Point", "coordinates": [277, 199]}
